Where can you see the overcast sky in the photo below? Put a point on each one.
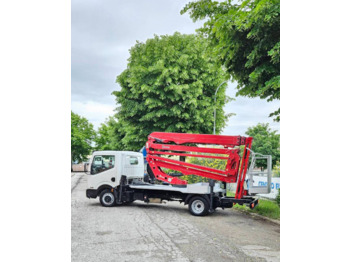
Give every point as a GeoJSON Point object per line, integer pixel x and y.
{"type": "Point", "coordinates": [103, 31]}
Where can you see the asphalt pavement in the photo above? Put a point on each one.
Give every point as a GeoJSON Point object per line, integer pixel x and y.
{"type": "Point", "coordinates": [165, 232]}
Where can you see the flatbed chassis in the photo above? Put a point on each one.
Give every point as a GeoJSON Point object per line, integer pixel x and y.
{"type": "Point", "coordinates": [212, 199]}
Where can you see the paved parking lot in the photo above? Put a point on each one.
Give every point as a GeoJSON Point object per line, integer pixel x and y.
{"type": "Point", "coordinates": [165, 232]}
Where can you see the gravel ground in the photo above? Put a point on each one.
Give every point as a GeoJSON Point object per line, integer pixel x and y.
{"type": "Point", "coordinates": [165, 232]}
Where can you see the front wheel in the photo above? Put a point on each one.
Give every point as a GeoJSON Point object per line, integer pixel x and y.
{"type": "Point", "coordinates": [107, 198]}
{"type": "Point", "coordinates": [198, 206]}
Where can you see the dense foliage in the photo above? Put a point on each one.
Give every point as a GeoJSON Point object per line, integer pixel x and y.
{"type": "Point", "coordinates": [169, 86]}
{"type": "Point", "coordinates": [246, 39]}
{"type": "Point", "coordinates": [276, 171]}
{"type": "Point", "coordinates": [109, 135]}
{"type": "Point", "coordinates": [82, 136]}
{"type": "Point", "coordinates": [266, 142]}
{"type": "Point", "coordinates": [207, 162]}
{"type": "Point", "coordinates": [105, 135]}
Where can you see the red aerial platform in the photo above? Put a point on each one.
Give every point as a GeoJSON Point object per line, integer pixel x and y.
{"type": "Point", "coordinates": [162, 144]}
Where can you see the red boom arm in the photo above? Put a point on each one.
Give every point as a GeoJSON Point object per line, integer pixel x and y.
{"type": "Point", "coordinates": [160, 143]}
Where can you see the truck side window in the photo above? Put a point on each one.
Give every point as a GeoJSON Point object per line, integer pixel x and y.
{"type": "Point", "coordinates": [134, 160]}
{"type": "Point", "coordinates": [102, 163]}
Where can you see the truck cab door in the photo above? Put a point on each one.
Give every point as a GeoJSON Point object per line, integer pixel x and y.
{"type": "Point", "coordinates": [103, 171]}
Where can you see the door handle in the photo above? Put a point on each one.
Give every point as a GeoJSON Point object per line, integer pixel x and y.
{"type": "Point", "coordinates": [113, 179]}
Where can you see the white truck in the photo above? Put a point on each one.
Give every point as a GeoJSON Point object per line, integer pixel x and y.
{"type": "Point", "coordinates": [117, 177]}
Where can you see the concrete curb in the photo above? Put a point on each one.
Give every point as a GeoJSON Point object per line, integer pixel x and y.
{"type": "Point", "coordinates": [259, 216]}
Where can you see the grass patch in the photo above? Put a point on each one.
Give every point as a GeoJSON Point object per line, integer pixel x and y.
{"type": "Point", "coordinates": [265, 208]}
{"type": "Point", "coordinates": [230, 193]}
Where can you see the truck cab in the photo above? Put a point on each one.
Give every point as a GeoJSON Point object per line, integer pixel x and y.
{"type": "Point", "coordinates": [107, 167]}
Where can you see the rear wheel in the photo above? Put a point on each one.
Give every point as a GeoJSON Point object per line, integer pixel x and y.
{"type": "Point", "coordinates": [198, 206]}
{"type": "Point", "coordinates": [107, 198]}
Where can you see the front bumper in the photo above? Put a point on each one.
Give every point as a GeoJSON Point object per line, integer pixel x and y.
{"type": "Point", "coordinates": [91, 193]}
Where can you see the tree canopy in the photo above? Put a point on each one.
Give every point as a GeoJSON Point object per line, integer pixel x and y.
{"type": "Point", "coordinates": [82, 136]}
{"type": "Point", "coordinates": [246, 39]}
{"type": "Point", "coordinates": [104, 135]}
{"type": "Point", "coordinates": [109, 135]}
{"type": "Point", "coordinates": [169, 86]}
{"type": "Point", "coordinates": [266, 142]}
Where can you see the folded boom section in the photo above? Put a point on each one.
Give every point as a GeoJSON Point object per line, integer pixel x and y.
{"type": "Point", "coordinates": [160, 145]}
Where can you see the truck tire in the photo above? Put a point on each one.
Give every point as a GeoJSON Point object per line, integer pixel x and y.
{"type": "Point", "coordinates": [107, 198]}
{"type": "Point", "coordinates": [198, 206]}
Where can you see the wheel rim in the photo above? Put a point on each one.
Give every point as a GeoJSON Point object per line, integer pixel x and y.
{"type": "Point", "coordinates": [108, 198]}
{"type": "Point", "coordinates": [197, 206]}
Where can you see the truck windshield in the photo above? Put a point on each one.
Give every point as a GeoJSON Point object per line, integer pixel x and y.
{"type": "Point", "coordinates": [102, 163]}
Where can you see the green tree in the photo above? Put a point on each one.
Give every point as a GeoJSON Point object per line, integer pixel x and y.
{"type": "Point", "coordinates": [169, 86]}
{"type": "Point", "coordinates": [207, 162]}
{"type": "Point", "coordinates": [82, 137]}
{"type": "Point", "coordinates": [266, 142]}
{"type": "Point", "coordinates": [246, 39]}
{"type": "Point", "coordinates": [109, 135]}
{"type": "Point", "coordinates": [103, 139]}
{"type": "Point", "coordinates": [276, 171]}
